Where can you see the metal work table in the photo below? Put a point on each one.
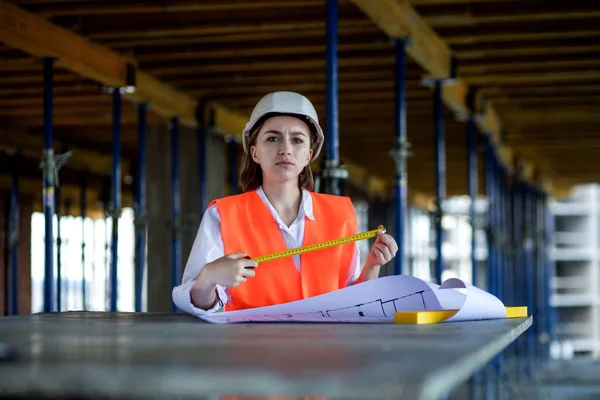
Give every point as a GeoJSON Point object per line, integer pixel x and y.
{"type": "Point", "coordinates": [93, 354]}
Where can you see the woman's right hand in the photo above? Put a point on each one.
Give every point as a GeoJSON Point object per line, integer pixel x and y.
{"type": "Point", "coordinates": [228, 271]}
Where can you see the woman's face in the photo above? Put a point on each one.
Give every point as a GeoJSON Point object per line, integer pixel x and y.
{"type": "Point", "coordinates": [282, 148]}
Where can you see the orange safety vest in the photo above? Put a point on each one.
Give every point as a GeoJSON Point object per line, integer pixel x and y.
{"type": "Point", "coordinates": [248, 226]}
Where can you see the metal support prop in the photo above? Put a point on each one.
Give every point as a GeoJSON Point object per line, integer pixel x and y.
{"type": "Point", "coordinates": [48, 189]}
{"type": "Point", "coordinates": [14, 236]}
{"type": "Point", "coordinates": [233, 165]}
{"type": "Point", "coordinates": [489, 188]}
{"type": "Point", "coordinates": [440, 175]}
{"type": "Point", "coordinates": [496, 227]}
{"type": "Point", "coordinates": [202, 196]}
{"type": "Point", "coordinates": [400, 153]}
{"type": "Point", "coordinates": [140, 206]}
{"type": "Point", "coordinates": [175, 207]}
{"type": "Point", "coordinates": [59, 280]}
{"type": "Point", "coordinates": [540, 277]}
{"type": "Point", "coordinates": [548, 267]}
{"type": "Point", "coordinates": [333, 173]}
{"type": "Point", "coordinates": [83, 204]}
{"type": "Point", "coordinates": [508, 276]}
{"type": "Point", "coordinates": [528, 263]}
{"type": "Point", "coordinates": [473, 187]}
{"type": "Point", "coordinates": [116, 199]}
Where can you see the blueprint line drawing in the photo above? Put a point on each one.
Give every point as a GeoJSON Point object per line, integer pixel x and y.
{"type": "Point", "coordinates": [376, 301]}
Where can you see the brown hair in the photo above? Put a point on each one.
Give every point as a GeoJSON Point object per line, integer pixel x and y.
{"type": "Point", "coordinates": [251, 173]}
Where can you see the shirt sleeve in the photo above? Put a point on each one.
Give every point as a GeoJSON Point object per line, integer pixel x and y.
{"type": "Point", "coordinates": [355, 268]}
{"type": "Point", "coordinates": [208, 246]}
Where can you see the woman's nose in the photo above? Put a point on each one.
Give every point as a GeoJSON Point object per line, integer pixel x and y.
{"type": "Point", "coordinates": [285, 148]}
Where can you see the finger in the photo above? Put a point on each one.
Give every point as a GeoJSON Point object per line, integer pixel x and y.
{"type": "Point", "coordinates": [385, 251]}
{"type": "Point", "coordinates": [390, 243]}
{"type": "Point", "coordinates": [246, 264]}
{"type": "Point", "coordinates": [237, 256]}
{"type": "Point", "coordinates": [248, 273]}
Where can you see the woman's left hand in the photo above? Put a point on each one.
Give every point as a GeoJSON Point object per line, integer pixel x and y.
{"type": "Point", "coordinates": [383, 251]}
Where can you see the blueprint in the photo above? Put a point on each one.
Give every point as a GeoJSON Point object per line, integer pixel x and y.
{"type": "Point", "coordinates": [376, 301]}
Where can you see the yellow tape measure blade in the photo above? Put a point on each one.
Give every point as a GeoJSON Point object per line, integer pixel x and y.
{"type": "Point", "coordinates": [319, 246]}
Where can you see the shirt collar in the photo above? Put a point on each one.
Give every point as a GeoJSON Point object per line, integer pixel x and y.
{"type": "Point", "coordinates": [306, 203]}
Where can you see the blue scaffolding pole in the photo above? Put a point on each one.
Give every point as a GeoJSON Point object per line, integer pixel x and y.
{"type": "Point", "coordinates": [497, 209]}
{"type": "Point", "coordinates": [59, 290]}
{"type": "Point", "coordinates": [48, 189]}
{"type": "Point", "coordinates": [490, 178]}
{"type": "Point", "coordinates": [473, 187]}
{"type": "Point", "coordinates": [201, 134]}
{"type": "Point", "coordinates": [14, 236]}
{"type": "Point", "coordinates": [540, 275]}
{"type": "Point", "coordinates": [528, 262]}
{"type": "Point", "coordinates": [548, 267]}
{"type": "Point", "coordinates": [116, 198]}
{"type": "Point", "coordinates": [83, 205]}
{"type": "Point", "coordinates": [400, 154]}
{"type": "Point", "coordinates": [175, 207]}
{"type": "Point", "coordinates": [489, 188]}
{"type": "Point", "coordinates": [333, 173]}
{"type": "Point", "coordinates": [440, 176]}
{"type": "Point", "coordinates": [140, 206]}
{"type": "Point", "coordinates": [517, 257]}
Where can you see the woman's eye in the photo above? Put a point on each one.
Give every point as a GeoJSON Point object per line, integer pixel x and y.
{"type": "Point", "coordinates": [296, 140]}
{"type": "Point", "coordinates": [271, 138]}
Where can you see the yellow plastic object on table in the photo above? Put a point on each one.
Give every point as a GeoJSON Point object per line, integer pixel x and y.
{"type": "Point", "coordinates": [437, 316]}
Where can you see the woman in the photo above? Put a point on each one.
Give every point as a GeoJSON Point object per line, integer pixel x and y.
{"type": "Point", "coordinates": [276, 211]}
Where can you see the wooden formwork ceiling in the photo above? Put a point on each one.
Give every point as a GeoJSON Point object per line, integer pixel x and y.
{"type": "Point", "coordinates": [536, 63]}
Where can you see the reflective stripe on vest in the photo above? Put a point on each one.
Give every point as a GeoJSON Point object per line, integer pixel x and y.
{"type": "Point", "coordinates": [248, 226]}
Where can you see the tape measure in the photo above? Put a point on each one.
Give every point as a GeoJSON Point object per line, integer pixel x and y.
{"type": "Point", "coordinates": [318, 246]}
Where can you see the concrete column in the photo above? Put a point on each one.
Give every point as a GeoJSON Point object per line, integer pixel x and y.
{"type": "Point", "coordinates": [159, 203]}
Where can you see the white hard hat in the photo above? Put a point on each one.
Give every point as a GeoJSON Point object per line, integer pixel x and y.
{"type": "Point", "coordinates": [290, 103]}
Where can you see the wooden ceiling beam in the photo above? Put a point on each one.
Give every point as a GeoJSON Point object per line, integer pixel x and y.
{"type": "Point", "coordinates": [259, 51]}
{"type": "Point", "coordinates": [173, 6]}
{"type": "Point", "coordinates": [317, 64]}
{"type": "Point", "coordinates": [469, 39]}
{"type": "Point", "coordinates": [217, 29]}
{"type": "Point", "coordinates": [399, 19]}
{"type": "Point", "coordinates": [472, 54]}
{"type": "Point", "coordinates": [420, 3]}
{"type": "Point", "coordinates": [518, 78]}
{"type": "Point", "coordinates": [527, 66]}
{"type": "Point", "coordinates": [466, 18]}
{"type": "Point", "coordinates": [345, 29]}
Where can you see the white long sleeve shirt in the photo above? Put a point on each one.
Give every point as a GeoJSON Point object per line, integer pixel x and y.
{"type": "Point", "coordinates": [208, 246]}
